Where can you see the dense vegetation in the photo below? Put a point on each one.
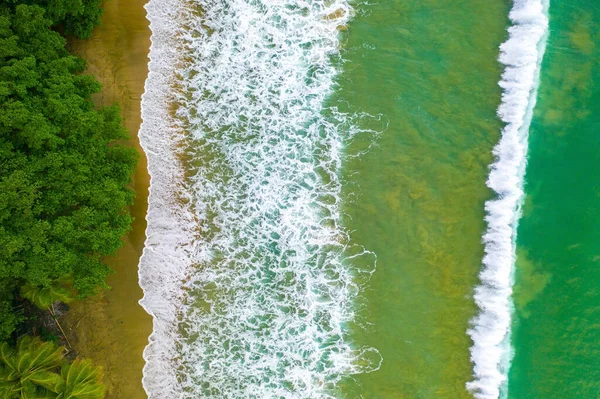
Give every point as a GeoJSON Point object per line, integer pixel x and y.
{"type": "Point", "coordinates": [64, 170]}
{"type": "Point", "coordinates": [77, 17]}
{"type": "Point", "coordinates": [37, 369]}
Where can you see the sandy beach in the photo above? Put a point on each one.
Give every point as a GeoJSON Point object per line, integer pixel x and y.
{"type": "Point", "coordinates": [112, 329]}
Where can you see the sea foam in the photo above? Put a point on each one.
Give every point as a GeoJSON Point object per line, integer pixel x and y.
{"type": "Point", "coordinates": [522, 55]}
{"type": "Point", "coordinates": [167, 252]}
{"type": "Point", "coordinates": [247, 270]}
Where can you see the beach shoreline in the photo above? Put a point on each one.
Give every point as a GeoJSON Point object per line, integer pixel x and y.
{"type": "Point", "coordinates": [111, 328]}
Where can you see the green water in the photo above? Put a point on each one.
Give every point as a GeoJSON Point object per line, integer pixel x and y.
{"type": "Point", "coordinates": [557, 294]}
{"type": "Point", "coordinates": [430, 69]}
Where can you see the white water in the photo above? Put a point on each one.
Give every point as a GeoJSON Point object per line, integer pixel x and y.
{"type": "Point", "coordinates": [522, 55]}
{"type": "Point", "coordinates": [247, 270]}
{"type": "Point", "coordinates": [167, 252]}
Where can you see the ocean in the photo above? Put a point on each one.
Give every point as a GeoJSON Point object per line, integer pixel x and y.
{"type": "Point", "coordinates": [557, 301]}
{"type": "Point", "coordinates": [370, 199]}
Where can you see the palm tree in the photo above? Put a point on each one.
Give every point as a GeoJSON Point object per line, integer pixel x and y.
{"type": "Point", "coordinates": [82, 380]}
{"type": "Point", "coordinates": [59, 290]}
{"type": "Point", "coordinates": [31, 371]}
{"type": "Point", "coordinates": [28, 371]}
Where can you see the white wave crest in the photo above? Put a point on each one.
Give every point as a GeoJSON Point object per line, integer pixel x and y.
{"type": "Point", "coordinates": [167, 251]}
{"type": "Point", "coordinates": [522, 55]}
{"type": "Point", "coordinates": [247, 270]}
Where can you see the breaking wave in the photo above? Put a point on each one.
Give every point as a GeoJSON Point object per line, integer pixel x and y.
{"type": "Point", "coordinates": [522, 55]}
{"type": "Point", "coordinates": [247, 270]}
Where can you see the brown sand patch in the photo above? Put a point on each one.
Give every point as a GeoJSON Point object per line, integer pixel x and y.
{"type": "Point", "coordinates": [112, 329]}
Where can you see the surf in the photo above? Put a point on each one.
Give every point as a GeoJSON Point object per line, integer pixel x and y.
{"type": "Point", "coordinates": [247, 270]}
{"type": "Point", "coordinates": [522, 56]}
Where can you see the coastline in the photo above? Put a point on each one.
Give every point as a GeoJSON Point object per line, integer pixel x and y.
{"type": "Point", "coordinates": [112, 329]}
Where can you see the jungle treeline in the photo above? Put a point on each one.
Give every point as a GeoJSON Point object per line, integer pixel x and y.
{"type": "Point", "coordinates": [65, 175]}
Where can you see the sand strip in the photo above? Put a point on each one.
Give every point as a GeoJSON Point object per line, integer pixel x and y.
{"type": "Point", "coordinates": [112, 329]}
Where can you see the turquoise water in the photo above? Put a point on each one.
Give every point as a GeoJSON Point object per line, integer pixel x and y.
{"type": "Point", "coordinates": [336, 190]}
{"type": "Point", "coordinates": [557, 328]}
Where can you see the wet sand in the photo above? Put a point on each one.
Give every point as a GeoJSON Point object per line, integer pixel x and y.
{"type": "Point", "coordinates": [112, 329]}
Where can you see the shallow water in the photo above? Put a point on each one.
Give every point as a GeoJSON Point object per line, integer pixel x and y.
{"type": "Point", "coordinates": [416, 198]}
{"type": "Point", "coordinates": [323, 219]}
{"type": "Point", "coordinates": [281, 121]}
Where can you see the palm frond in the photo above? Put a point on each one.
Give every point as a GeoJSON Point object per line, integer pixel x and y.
{"type": "Point", "coordinates": [28, 371]}
{"type": "Point", "coordinates": [7, 355]}
{"type": "Point", "coordinates": [34, 354]}
{"type": "Point", "coordinates": [8, 375]}
{"type": "Point", "coordinates": [82, 380]}
{"type": "Point", "coordinates": [9, 390]}
{"type": "Point", "coordinates": [48, 380]}
{"type": "Point", "coordinates": [43, 297]}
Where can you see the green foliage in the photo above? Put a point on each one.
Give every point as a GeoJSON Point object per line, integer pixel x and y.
{"type": "Point", "coordinates": [27, 372]}
{"type": "Point", "coordinates": [32, 371]}
{"type": "Point", "coordinates": [9, 316]}
{"type": "Point", "coordinates": [63, 173]}
{"type": "Point", "coordinates": [48, 335]}
{"type": "Point", "coordinates": [8, 319]}
{"type": "Point", "coordinates": [82, 380]}
{"type": "Point", "coordinates": [82, 24]}
{"type": "Point", "coordinates": [64, 177]}
{"type": "Point", "coordinates": [79, 17]}
{"type": "Point", "coordinates": [43, 297]}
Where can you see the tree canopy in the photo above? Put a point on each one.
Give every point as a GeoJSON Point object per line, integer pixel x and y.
{"type": "Point", "coordinates": [65, 173]}
{"type": "Point", "coordinates": [64, 170]}
{"type": "Point", "coordinates": [78, 17]}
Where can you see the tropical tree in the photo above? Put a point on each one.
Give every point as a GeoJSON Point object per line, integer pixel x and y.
{"type": "Point", "coordinates": [28, 370]}
{"type": "Point", "coordinates": [82, 380]}
{"type": "Point", "coordinates": [38, 370]}
{"type": "Point", "coordinates": [64, 171]}
{"type": "Point", "coordinates": [78, 17]}
{"type": "Point", "coordinates": [59, 290]}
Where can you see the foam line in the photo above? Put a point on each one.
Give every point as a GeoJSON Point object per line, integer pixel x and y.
{"type": "Point", "coordinates": [522, 56]}
{"type": "Point", "coordinates": [166, 256]}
